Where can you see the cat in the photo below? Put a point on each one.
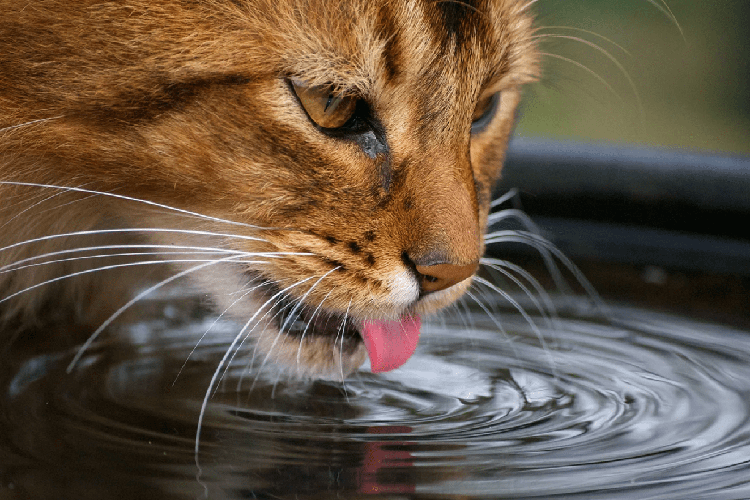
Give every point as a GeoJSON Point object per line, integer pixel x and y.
{"type": "Point", "coordinates": [322, 170]}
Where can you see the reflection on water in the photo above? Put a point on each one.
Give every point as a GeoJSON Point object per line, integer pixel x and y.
{"type": "Point", "coordinates": [642, 407]}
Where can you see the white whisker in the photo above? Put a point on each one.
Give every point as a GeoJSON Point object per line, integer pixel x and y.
{"type": "Point", "coordinates": [514, 214]}
{"type": "Point", "coordinates": [529, 320]}
{"type": "Point", "coordinates": [662, 6]}
{"type": "Point", "coordinates": [341, 349]}
{"type": "Point", "coordinates": [588, 32]}
{"type": "Point", "coordinates": [527, 6]}
{"type": "Point", "coordinates": [588, 70]}
{"type": "Point", "coordinates": [238, 348]}
{"type": "Point", "coordinates": [225, 358]}
{"type": "Point", "coordinates": [113, 266]}
{"type": "Point", "coordinates": [291, 316]}
{"type": "Point", "coordinates": [489, 313]}
{"type": "Point", "coordinates": [29, 208]}
{"type": "Point", "coordinates": [466, 313]}
{"type": "Point", "coordinates": [459, 309]}
{"type": "Point", "coordinates": [210, 327]}
{"type": "Point", "coordinates": [307, 326]}
{"type": "Point", "coordinates": [279, 312]}
{"type": "Point", "coordinates": [29, 123]}
{"type": "Point", "coordinates": [15, 267]}
{"type": "Point", "coordinates": [541, 244]}
{"type": "Point", "coordinates": [98, 232]}
{"type": "Point", "coordinates": [512, 193]}
{"type": "Point", "coordinates": [518, 306]}
{"type": "Point", "coordinates": [496, 321]}
{"type": "Point", "coordinates": [275, 384]}
{"type": "Point", "coordinates": [609, 56]}
{"type": "Point", "coordinates": [183, 250]}
{"type": "Point", "coordinates": [137, 200]}
{"type": "Point", "coordinates": [135, 299]}
{"type": "Point", "coordinates": [547, 310]}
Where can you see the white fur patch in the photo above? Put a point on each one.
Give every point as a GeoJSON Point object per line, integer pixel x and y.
{"type": "Point", "coordinates": [403, 287]}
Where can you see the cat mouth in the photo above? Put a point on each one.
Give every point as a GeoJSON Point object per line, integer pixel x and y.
{"type": "Point", "coordinates": [389, 343]}
{"type": "Point", "coordinates": [300, 322]}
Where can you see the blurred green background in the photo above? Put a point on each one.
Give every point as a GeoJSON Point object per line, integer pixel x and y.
{"type": "Point", "coordinates": [689, 68]}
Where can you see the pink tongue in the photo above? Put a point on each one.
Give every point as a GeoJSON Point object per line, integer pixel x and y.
{"type": "Point", "coordinates": [390, 343]}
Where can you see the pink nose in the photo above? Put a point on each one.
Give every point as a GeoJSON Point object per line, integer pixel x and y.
{"type": "Point", "coordinates": [441, 276]}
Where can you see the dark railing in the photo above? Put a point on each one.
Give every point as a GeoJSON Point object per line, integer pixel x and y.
{"type": "Point", "coordinates": [633, 205]}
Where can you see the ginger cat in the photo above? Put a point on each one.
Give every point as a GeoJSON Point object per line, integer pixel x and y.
{"type": "Point", "coordinates": [321, 169]}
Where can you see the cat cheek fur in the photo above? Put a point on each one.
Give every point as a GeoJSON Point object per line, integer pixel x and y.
{"type": "Point", "coordinates": [187, 106]}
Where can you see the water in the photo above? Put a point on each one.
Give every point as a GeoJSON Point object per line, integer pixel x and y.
{"type": "Point", "coordinates": [646, 406]}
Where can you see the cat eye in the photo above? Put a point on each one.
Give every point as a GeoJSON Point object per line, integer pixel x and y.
{"type": "Point", "coordinates": [325, 107]}
{"type": "Point", "coordinates": [483, 112]}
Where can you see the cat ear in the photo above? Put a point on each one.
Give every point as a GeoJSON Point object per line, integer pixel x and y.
{"type": "Point", "coordinates": [325, 107]}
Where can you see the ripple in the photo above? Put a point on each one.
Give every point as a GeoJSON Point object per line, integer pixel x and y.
{"type": "Point", "coordinates": [645, 406]}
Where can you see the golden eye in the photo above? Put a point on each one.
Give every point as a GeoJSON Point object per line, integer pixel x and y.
{"type": "Point", "coordinates": [484, 107]}
{"type": "Point", "coordinates": [324, 106]}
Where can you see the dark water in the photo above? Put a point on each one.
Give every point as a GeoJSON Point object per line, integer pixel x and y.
{"type": "Point", "coordinates": [643, 407]}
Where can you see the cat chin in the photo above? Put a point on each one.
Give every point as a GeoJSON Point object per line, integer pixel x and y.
{"type": "Point", "coordinates": [314, 356]}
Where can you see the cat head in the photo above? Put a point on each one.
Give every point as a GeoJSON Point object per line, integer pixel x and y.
{"type": "Point", "coordinates": [341, 154]}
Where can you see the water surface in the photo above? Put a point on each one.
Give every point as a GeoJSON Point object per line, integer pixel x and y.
{"type": "Point", "coordinates": [643, 406]}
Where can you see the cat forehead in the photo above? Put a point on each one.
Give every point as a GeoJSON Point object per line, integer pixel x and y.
{"type": "Point", "coordinates": [354, 43]}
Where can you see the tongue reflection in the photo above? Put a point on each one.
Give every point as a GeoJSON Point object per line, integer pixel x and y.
{"type": "Point", "coordinates": [390, 343]}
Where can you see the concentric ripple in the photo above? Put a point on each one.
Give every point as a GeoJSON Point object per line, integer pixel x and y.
{"type": "Point", "coordinates": [640, 406]}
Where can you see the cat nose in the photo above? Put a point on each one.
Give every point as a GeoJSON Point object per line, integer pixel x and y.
{"type": "Point", "coordinates": [436, 277]}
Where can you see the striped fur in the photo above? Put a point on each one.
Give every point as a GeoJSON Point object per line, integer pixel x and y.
{"type": "Point", "coordinates": [187, 104]}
